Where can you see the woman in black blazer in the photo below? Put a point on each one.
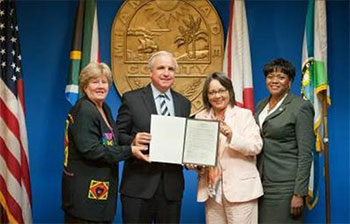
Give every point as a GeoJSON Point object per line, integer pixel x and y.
{"type": "Point", "coordinates": [91, 153]}
{"type": "Point", "coordinates": [286, 123]}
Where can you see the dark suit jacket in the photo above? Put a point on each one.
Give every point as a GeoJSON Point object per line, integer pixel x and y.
{"type": "Point", "coordinates": [288, 139]}
{"type": "Point", "coordinates": [140, 179]}
{"type": "Point", "coordinates": [90, 175]}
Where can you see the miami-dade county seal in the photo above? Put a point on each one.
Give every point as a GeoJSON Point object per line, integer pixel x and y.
{"type": "Point", "coordinates": [190, 29]}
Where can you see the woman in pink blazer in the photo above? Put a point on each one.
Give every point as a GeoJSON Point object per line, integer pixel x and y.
{"type": "Point", "coordinates": [230, 190]}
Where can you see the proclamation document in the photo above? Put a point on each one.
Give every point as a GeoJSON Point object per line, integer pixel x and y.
{"type": "Point", "coordinates": [201, 142]}
{"type": "Point", "coordinates": [167, 139]}
{"type": "Point", "coordinates": [180, 140]}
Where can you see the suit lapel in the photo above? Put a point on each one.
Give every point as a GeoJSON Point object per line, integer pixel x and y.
{"type": "Point", "coordinates": [177, 104]}
{"type": "Point", "coordinates": [151, 105]}
{"type": "Point", "coordinates": [261, 106]}
{"type": "Point", "coordinates": [281, 108]}
{"type": "Point", "coordinates": [148, 99]}
{"type": "Point", "coordinates": [108, 115]}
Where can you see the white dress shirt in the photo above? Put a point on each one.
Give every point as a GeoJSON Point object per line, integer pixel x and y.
{"type": "Point", "coordinates": [168, 100]}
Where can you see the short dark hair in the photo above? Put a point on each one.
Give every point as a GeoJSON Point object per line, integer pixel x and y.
{"type": "Point", "coordinates": [224, 81]}
{"type": "Point", "coordinates": [280, 64]}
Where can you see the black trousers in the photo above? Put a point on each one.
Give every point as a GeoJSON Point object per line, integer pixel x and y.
{"type": "Point", "coordinates": [72, 219]}
{"type": "Point", "coordinates": [155, 210]}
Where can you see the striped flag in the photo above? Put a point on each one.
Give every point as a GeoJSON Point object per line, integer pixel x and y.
{"type": "Point", "coordinates": [314, 85]}
{"type": "Point", "coordinates": [237, 63]}
{"type": "Point", "coordinates": [15, 190]}
{"type": "Point", "coordinates": [85, 46]}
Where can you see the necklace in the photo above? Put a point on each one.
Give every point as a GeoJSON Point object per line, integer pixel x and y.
{"type": "Point", "coordinates": [271, 106]}
{"type": "Point", "coordinates": [219, 116]}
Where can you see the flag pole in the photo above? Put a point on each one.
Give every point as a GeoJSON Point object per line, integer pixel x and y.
{"type": "Point", "coordinates": [326, 156]}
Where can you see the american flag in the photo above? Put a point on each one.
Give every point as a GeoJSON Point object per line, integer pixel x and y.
{"type": "Point", "coordinates": [15, 190]}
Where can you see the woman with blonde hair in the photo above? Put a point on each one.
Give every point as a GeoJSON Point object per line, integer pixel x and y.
{"type": "Point", "coordinates": [91, 154]}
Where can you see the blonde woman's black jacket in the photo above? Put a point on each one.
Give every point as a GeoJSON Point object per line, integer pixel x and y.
{"type": "Point", "coordinates": [90, 175]}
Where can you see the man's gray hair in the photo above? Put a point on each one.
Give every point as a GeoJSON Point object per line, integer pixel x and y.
{"type": "Point", "coordinates": [159, 53]}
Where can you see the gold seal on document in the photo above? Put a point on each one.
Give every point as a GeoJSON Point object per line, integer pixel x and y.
{"type": "Point", "coordinates": [190, 29]}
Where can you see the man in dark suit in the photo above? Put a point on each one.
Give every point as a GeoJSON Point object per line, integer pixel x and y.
{"type": "Point", "coordinates": [151, 192]}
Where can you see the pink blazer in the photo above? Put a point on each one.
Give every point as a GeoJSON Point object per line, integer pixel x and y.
{"type": "Point", "coordinates": [241, 181]}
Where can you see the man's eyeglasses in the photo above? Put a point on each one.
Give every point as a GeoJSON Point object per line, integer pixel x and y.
{"type": "Point", "coordinates": [220, 92]}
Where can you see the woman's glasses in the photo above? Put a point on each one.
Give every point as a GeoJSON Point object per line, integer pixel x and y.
{"type": "Point", "coordinates": [214, 92]}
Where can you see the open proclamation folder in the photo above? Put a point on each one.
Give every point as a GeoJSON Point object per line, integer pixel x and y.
{"type": "Point", "coordinates": [181, 140]}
